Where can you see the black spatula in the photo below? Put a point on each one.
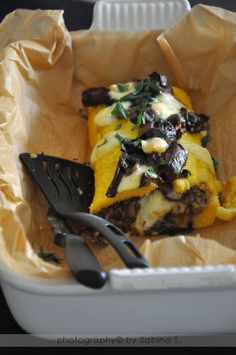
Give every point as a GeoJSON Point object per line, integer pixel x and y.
{"type": "Point", "coordinates": [81, 261]}
{"type": "Point", "coordinates": [69, 188]}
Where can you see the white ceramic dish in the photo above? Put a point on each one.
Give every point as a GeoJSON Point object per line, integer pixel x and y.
{"type": "Point", "coordinates": [179, 301]}
{"type": "Point", "coordinates": [133, 302]}
{"type": "Point", "coordinates": [137, 15]}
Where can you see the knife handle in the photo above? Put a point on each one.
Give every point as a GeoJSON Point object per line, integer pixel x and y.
{"type": "Point", "coordinates": [82, 262]}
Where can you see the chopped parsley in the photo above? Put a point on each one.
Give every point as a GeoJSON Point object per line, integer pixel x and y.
{"type": "Point", "coordinates": [101, 144]}
{"type": "Point", "coordinates": [49, 256]}
{"type": "Point", "coordinates": [141, 120]}
{"type": "Point", "coordinates": [141, 116]}
{"type": "Point", "coordinates": [139, 86]}
{"type": "Point", "coordinates": [151, 173]}
{"type": "Point", "coordinates": [188, 172]}
{"type": "Point", "coordinates": [155, 87]}
{"type": "Point", "coordinates": [162, 161]}
{"type": "Point", "coordinates": [135, 96]}
{"type": "Point", "coordinates": [137, 142]}
{"type": "Point", "coordinates": [122, 87]}
{"type": "Point", "coordinates": [140, 98]}
{"type": "Point", "coordinates": [185, 173]}
{"type": "Point", "coordinates": [148, 85]}
{"type": "Point", "coordinates": [144, 88]}
{"type": "Point", "coordinates": [119, 110]}
{"type": "Point", "coordinates": [119, 137]}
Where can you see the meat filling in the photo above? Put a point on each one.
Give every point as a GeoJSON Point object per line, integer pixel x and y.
{"type": "Point", "coordinates": [123, 214]}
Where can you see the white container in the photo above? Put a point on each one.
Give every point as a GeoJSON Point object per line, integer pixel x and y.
{"type": "Point", "coordinates": [137, 15]}
{"type": "Point", "coordinates": [133, 302]}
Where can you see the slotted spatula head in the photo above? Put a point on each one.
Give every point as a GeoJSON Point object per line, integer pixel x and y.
{"type": "Point", "coordinates": [69, 189]}
{"type": "Point", "coordinates": [68, 186]}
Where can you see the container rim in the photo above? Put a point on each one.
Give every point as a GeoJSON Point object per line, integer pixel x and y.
{"type": "Point", "coordinates": [123, 280]}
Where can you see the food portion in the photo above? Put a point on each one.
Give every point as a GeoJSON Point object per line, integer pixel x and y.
{"type": "Point", "coordinates": [153, 173]}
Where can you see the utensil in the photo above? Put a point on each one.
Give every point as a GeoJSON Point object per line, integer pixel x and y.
{"type": "Point", "coordinates": [81, 261]}
{"type": "Point", "coordinates": [69, 189]}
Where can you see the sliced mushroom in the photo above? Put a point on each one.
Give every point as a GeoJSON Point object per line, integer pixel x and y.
{"type": "Point", "coordinates": [194, 122]}
{"type": "Point", "coordinates": [176, 158]}
{"type": "Point", "coordinates": [96, 96]}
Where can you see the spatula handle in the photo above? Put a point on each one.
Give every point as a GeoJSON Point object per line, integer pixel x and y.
{"type": "Point", "coordinates": [82, 262]}
{"type": "Point", "coordinates": [127, 250]}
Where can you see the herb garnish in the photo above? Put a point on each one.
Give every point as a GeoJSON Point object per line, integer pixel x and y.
{"type": "Point", "coordinates": [141, 116]}
{"type": "Point", "coordinates": [118, 126]}
{"type": "Point", "coordinates": [151, 173]}
{"type": "Point", "coordinates": [132, 154]}
{"type": "Point", "coordinates": [205, 140]}
{"type": "Point", "coordinates": [162, 161]}
{"type": "Point", "coordinates": [188, 172]}
{"type": "Point", "coordinates": [119, 137]}
{"type": "Point", "coordinates": [145, 88]}
{"type": "Point", "coordinates": [122, 87]}
{"type": "Point", "coordinates": [119, 110]}
{"type": "Point", "coordinates": [49, 256]}
{"type": "Point", "coordinates": [135, 96]}
{"type": "Point", "coordinates": [101, 144]}
{"type": "Point", "coordinates": [147, 85]}
{"type": "Point", "coordinates": [137, 143]}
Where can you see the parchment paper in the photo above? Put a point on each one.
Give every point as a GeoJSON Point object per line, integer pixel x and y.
{"type": "Point", "coordinates": [186, 251]}
{"type": "Point", "coordinates": [44, 69]}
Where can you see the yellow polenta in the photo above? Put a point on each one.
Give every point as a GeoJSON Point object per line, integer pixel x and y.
{"type": "Point", "coordinates": [106, 150]}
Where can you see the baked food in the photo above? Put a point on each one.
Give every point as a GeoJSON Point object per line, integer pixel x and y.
{"type": "Point", "coordinates": [153, 172]}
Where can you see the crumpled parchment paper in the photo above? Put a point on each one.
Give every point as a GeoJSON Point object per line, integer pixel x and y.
{"type": "Point", "coordinates": [44, 69]}
{"type": "Point", "coordinates": [186, 251]}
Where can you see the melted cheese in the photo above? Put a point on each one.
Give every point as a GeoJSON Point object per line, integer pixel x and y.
{"type": "Point", "coordinates": [117, 95]}
{"type": "Point", "coordinates": [201, 169]}
{"type": "Point", "coordinates": [133, 180]}
{"type": "Point", "coordinates": [102, 125]}
{"type": "Point", "coordinates": [104, 146]}
{"type": "Point", "coordinates": [202, 175]}
{"type": "Point", "coordinates": [153, 207]}
{"type": "Point", "coordinates": [200, 165]}
{"type": "Point", "coordinates": [105, 117]}
{"type": "Point", "coordinates": [165, 105]}
{"type": "Point", "coordinates": [154, 145]}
